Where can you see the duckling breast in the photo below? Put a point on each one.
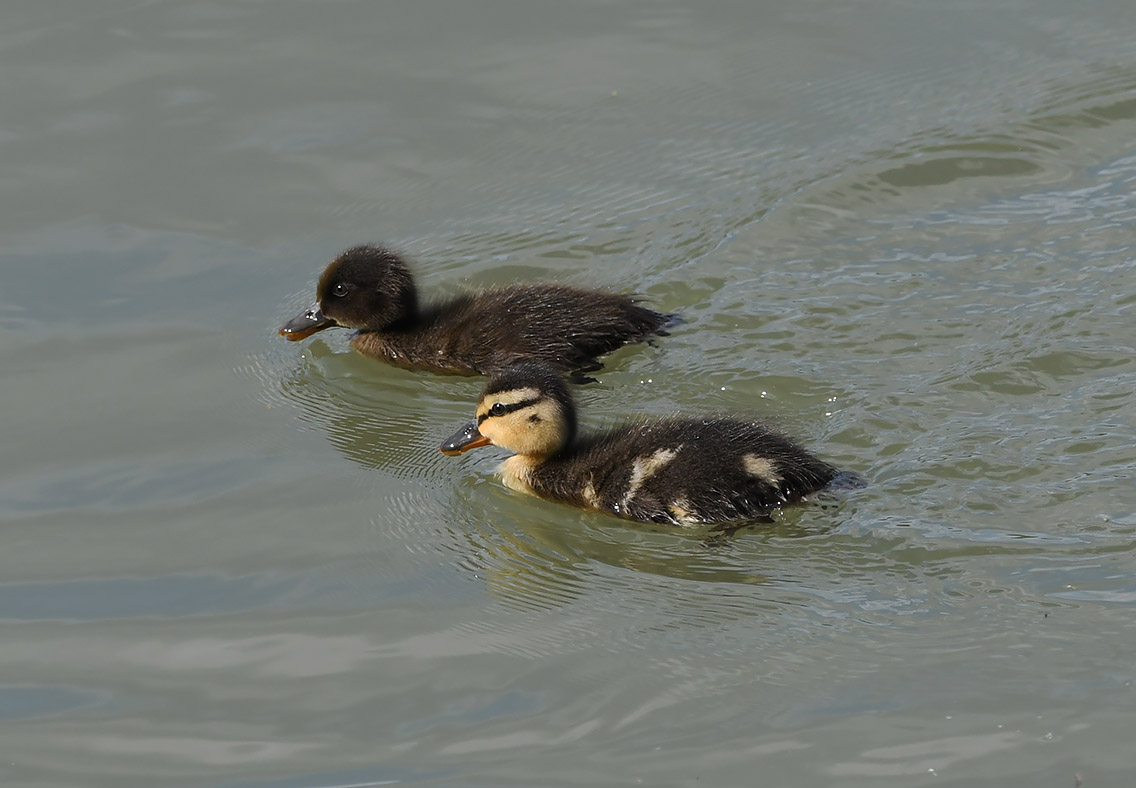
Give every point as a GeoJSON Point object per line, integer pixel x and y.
{"type": "Point", "coordinates": [517, 473]}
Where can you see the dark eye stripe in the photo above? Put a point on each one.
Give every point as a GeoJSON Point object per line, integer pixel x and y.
{"type": "Point", "coordinates": [509, 409]}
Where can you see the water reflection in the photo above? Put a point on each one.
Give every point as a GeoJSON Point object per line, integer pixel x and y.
{"type": "Point", "coordinates": [377, 416]}
{"type": "Point", "coordinates": [533, 553]}
{"type": "Point", "coordinates": [920, 263]}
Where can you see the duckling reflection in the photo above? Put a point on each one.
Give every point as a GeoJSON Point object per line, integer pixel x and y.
{"type": "Point", "coordinates": [682, 471]}
{"type": "Point", "coordinates": [333, 393]}
{"type": "Point", "coordinates": [370, 289]}
{"type": "Point", "coordinates": [529, 559]}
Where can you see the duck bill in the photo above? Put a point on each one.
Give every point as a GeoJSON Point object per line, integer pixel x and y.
{"type": "Point", "coordinates": [463, 440]}
{"type": "Point", "coordinates": [306, 323]}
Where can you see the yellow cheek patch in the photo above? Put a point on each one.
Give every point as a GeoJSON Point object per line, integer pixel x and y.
{"type": "Point", "coordinates": [536, 430]}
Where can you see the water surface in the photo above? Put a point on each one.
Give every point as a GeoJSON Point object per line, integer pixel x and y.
{"type": "Point", "coordinates": [901, 232]}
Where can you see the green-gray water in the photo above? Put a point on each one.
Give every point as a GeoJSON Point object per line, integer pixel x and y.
{"type": "Point", "coordinates": [903, 232]}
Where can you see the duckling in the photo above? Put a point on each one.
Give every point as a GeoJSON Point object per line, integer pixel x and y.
{"type": "Point", "coordinates": [680, 470]}
{"type": "Point", "coordinates": [370, 289]}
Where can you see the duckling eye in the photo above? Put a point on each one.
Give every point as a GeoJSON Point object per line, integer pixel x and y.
{"type": "Point", "coordinates": [340, 289]}
{"type": "Point", "coordinates": [497, 410]}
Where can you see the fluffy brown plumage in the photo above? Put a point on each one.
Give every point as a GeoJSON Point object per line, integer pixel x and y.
{"type": "Point", "coordinates": [681, 470]}
{"type": "Point", "coordinates": [370, 289]}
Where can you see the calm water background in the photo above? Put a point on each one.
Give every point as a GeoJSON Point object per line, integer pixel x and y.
{"type": "Point", "coordinates": [903, 231]}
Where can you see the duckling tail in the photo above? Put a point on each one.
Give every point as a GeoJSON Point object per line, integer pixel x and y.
{"type": "Point", "coordinates": [670, 320]}
{"type": "Point", "coordinates": [846, 480]}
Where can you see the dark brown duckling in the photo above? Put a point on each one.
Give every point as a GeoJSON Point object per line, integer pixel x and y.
{"type": "Point", "coordinates": [370, 289]}
{"type": "Point", "coordinates": [680, 470]}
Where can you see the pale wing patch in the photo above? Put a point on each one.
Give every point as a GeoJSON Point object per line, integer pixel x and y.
{"type": "Point", "coordinates": [761, 468]}
{"type": "Point", "coordinates": [589, 495]}
{"type": "Point", "coordinates": [511, 397]}
{"type": "Point", "coordinates": [684, 513]}
{"type": "Point", "coordinates": [536, 430]}
{"type": "Point", "coordinates": [644, 468]}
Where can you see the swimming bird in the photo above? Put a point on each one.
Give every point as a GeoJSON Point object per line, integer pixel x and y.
{"type": "Point", "coordinates": [679, 470]}
{"type": "Point", "coordinates": [371, 289]}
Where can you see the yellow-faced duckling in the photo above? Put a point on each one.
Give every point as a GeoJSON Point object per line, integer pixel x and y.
{"type": "Point", "coordinates": [370, 289]}
{"type": "Point", "coordinates": [679, 470]}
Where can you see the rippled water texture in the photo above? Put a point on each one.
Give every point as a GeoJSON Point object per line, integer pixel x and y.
{"type": "Point", "coordinates": [900, 232]}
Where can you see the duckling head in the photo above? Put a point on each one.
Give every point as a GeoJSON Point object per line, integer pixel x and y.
{"type": "Point", "coordinates": [366, 287]}
{"type": "Point", "coordinates": [526, 408]}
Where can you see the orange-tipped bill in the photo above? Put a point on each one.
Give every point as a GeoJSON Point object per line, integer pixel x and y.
{"type": "Point", "coordinates": [463, 440]}
{"type": "Point", "coordinates": [306, 323]}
